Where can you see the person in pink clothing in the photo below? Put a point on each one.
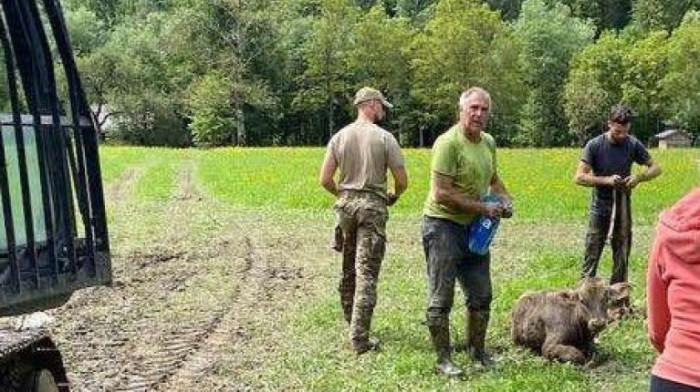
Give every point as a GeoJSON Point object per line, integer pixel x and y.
{"type": "Point", "coordinates": [673, 297]}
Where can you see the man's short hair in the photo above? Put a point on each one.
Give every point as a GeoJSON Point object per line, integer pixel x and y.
{"type": "Point", "coordinates": [471, 91]}
{"type": "Point", "coordinates": [620, 114]}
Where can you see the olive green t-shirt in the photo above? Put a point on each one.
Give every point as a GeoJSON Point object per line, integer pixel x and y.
{"type": "Point", "coordinates": [470, 165]}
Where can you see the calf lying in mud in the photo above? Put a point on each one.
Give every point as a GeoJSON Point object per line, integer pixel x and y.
{"type": "Point", "coordinates": [561, 325]}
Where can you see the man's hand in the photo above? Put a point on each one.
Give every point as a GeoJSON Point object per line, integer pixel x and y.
{"type": "Point", "coordinates": [632, 181]}
{"type": "Point", "coordinates": [506, 204]}
{"type": "Point", "coordinates": [614, 180]}
{"type": "Point", "coordinates": [494, 210]}
{"type": "Point", "coordinates": [507, 208]}
{"type": "Point", "coordinates": [391, 199]}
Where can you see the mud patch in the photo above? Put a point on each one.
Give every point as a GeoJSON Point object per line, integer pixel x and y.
{"type": "Point", "coordinates": [141, 259]}
{"type": "Point", "coordinates": [120, 190]}
{"type": "Point", "coordinates": [210, 282]}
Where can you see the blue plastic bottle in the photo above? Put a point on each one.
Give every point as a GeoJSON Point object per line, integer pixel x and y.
{"type": "Point", "coordinates": [483, 229]}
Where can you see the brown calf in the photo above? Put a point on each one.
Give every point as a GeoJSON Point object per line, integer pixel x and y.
{"type": "Point", "coordinates": [562, 324]}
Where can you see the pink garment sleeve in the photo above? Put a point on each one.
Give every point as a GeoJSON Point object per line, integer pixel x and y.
{"type": "Point", "coordinates": [658, 315]}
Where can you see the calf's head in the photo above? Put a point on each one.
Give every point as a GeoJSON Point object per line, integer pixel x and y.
{"type": "Point", "coordinates": [598, 296]}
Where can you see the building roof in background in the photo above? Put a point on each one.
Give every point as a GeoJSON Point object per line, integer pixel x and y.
{"type": "Point", "coordinates": [671, 132]}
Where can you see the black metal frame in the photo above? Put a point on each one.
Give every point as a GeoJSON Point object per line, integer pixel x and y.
{"type": "Point", "coordinates": [39, 274]}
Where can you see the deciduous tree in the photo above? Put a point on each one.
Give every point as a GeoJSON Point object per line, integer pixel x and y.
{"type": "Point", "coordinates": [325, 81]}
{"type": "Point", "coordinates": [594, 85]}
{"type": "Point", "coordinates": [549, 38]}
{"type": "Point", "coordinates": [464, 45]}
{"type": "Point", "coordinates": [680, 86]}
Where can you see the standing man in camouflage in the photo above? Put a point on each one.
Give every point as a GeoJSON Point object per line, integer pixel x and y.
{"type": "Point", "coordinates": [606, 165]}
{"type": "Point", "coordinates": [363, 152]}
{"type": "Point", "coordinates": [463, 170]}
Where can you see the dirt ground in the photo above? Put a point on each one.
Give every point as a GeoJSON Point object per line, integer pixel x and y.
{"type": "Point", "coordinates": [202, 289]}
{"type": "Point", "coordinates": [198, 286]}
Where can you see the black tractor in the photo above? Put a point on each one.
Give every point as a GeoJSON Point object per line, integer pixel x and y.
{"type": "Point", "coordinates": [54, 239]}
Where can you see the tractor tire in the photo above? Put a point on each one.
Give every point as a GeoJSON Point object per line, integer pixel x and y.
{"type": "Point", "coordinates": [40, 380]}
{"type": "Point", "coordinates": [10, 377]}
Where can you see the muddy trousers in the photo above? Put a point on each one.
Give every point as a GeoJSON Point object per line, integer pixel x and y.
{"type": "Point", "coordinates": [659, 384]}
{"type": "Point", "coordinates": [448, 261]}
{"type": "Point", "coordinates": [363, 250]}
{"type": "Point", "coordinates": [618, 213]}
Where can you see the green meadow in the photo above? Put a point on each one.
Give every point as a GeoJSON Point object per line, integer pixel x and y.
{"type": "Point", "coordinates": [540, 180]}
{"type": "Point", "coordinates": [302, 344]}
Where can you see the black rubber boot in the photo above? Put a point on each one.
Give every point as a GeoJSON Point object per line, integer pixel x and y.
{"type": "Point", "coordinates": [441, 340]}
{"type": "Point", "coordinates": [338, 239]}
{"type": "Point", "coordinates": [347, 312]}
{"type": "Point", "coordinates": [477, 322]}
{"type": "Point", "coordinates": [372, 344]}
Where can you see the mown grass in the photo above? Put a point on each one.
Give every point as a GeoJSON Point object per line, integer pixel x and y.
{"type": "Point", "coordinates": [150, 177]}
{"type": "Point", "coordinates": [540, 180]}
{"type": "Point", "coordinates": [115, 160]}
{"type": "Point", "coordinates": [317, 355]}
{"type": "Point", "coordinates": [158, 183]}
{"type": "Point", "coordinates": [540, 248]}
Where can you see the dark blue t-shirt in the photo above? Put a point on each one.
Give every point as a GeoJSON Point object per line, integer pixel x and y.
{"type": "Point", "coordinates": [607, 158]}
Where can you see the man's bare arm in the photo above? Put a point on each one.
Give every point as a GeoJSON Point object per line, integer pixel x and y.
{"type": "Point", "coordinates": [499, 188]}
{"type": "Point", "coordinates": [653, 170]}
{"type": "Point", "coordinates": [584, 176]}
{"type": "Point", "coordinates": [326, 176]}
{"type": "Point", "coordinates": [447, 195]}
{"type": "Point", "coordinates": [400, 184]}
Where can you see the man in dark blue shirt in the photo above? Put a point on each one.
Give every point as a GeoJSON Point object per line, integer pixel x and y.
{"type": "Point", "coordinates": [606, 165]}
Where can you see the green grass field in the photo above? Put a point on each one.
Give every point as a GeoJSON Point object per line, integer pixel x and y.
{"type": "Point", "coordinates": [540, 180]}
{"type": "Point", "coordinates": [275, 190]}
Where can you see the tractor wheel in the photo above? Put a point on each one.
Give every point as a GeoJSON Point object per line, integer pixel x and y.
{"type": "Point", "coordinates": [10, 377]}
{"type": "Point", "coordinates": [40, 380]}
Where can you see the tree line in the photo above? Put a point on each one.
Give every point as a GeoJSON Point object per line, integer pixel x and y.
{"type": "Point", "coordinates": [284, 72]}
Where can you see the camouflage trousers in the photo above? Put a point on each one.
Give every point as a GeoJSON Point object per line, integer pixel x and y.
{"type": "Point", "coordinates": [602, 214]}
{"type": "Point", "coordinates": [362, 218]}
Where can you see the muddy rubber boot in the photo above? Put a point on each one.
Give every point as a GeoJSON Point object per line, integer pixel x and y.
{"type": "Point", "coordinates": [338, 239]}
{"type": "Point", "coordinates": [477, 322]}
{"type": "Point", "coordinates": [372, 344]}
{"type": "Point", "coordinates": [440, 336]}
{"type": "Point", "coordinates": [347, 300]}
{"type": "Point", "coordinates": [347, 312]}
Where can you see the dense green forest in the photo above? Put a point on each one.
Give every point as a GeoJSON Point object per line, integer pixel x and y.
{"type": "Point", "coordinates": [283, 72]}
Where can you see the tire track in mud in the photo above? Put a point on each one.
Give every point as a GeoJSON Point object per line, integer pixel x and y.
{"type": "Point", "coordinates": [266, 280]}
{"type": "Point", "coordinates": [186, 358]}
{"type": "Point", "coordinates": [157, 329]}
{"type": "Point", "coordinates": [119, 190]}
{"type": "Point", "coordinates": [147, 342]}
{"type": "Point", "coordinates": [119, 203]}
{"type": "Point", "coordinates": [185, 355]}
{"type": "Point", "coordinates": [171, 348]}
{"type": "Point", "coordinates": [108, 322]}
{"type": "Point", "coordinates": [213, 280]}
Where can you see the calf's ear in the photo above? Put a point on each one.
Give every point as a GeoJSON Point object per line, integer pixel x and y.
{"type": "Point", "coordinates": [620, 290]}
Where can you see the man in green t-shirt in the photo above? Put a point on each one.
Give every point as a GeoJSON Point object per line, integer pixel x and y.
{"type": "Point", "coordinates": [463, 170]}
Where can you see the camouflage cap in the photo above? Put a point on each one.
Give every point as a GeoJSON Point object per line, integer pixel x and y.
{"type": "Point", "coordinates": [367, 94]}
